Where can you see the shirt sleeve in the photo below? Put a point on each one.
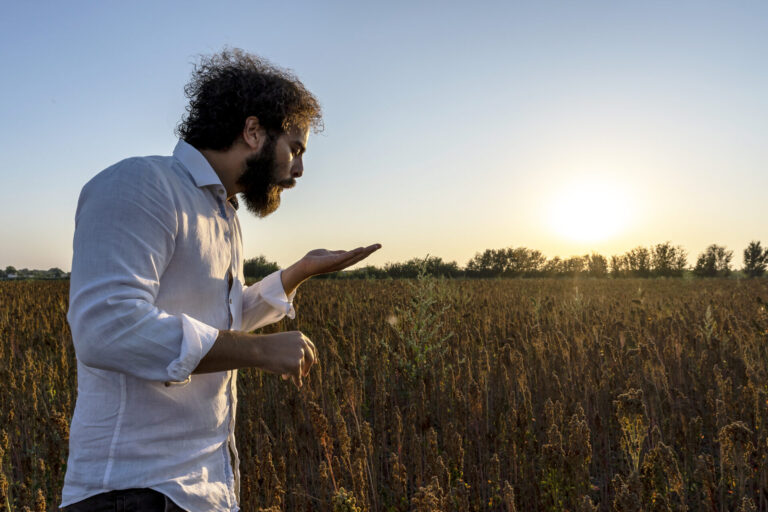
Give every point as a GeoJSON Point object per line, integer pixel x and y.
{"type": "Point", "coordinates": [265, 302]}
{"type": "Point", "coordinates": [125, 230]}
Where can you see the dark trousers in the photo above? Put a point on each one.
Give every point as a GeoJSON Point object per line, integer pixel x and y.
{"type": "Point", "coordinates": [127, 500]}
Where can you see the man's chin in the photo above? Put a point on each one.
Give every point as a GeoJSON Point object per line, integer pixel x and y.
{"type": "Point", "coordinates": [263, 212]}
{"type": "Point", "coordinates": [262, 208]}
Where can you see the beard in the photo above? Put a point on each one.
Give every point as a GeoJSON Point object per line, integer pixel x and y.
{"type": "Point", "coordinates": [260, 187]}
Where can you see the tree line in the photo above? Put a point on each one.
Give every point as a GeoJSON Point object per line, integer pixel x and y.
{"type": "Point", "coordinates": [10, 273]}
{"type": "Point", "coordinates": [660, 260]}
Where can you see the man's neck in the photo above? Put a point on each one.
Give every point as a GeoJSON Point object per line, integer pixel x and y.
{"type": "Point", "coordinates": [228, 167]}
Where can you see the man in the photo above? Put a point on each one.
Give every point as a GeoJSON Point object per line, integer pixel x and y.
{"type": "Point", "coordinates": [159, 310]}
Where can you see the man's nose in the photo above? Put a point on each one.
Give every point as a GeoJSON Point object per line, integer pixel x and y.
{"type": "Point", "coordinates": [298, 168]}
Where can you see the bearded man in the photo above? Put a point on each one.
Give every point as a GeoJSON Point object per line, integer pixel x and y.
{"type": "Point", "coordinates": [159, 310]}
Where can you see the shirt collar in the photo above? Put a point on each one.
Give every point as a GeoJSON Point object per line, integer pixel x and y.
{"type": "Point", "coordinates": [194, 161]}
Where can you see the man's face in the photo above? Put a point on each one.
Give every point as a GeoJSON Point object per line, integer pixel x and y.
{"type": "Point", "coordinates": [275, 167]}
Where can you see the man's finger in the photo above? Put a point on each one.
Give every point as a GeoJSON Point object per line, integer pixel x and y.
{"type": "Point", "coordinates": [357, 252]}
{"type": "Point", "coordinates": [347, 255]}
{"type": "Point", "coordinates": [307, 362]}
{"type": "Point", "coordinates": [351, 261]}
{"type": "Point", "coordinates": [341, 265]}
{"type": "Point", "coordinates": [314, 349]}
{"type": "Point", "coordinates": [366, 251]}
{"type": "Point", "coordinates": [352, 257]}
{"type": "Point", "coordinates": [339, 259]}
{"type": "Point", "coordinates": [297, 376]}
{"type": "Point", "coordinates": [359, 257]}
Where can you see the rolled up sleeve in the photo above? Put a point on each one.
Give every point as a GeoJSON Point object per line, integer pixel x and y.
{"type": "Point", "coordinates": [125, 231]}
{"type": "Point", "coordinates": [265, 302]}
{"type": "Point", "coordinates": [197, 339]}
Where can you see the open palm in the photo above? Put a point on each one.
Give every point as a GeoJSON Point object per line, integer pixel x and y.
{"type": "Point", "coordinates": [323, 261]}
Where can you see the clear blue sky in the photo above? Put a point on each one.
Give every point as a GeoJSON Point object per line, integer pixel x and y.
{"type": "Point", "coordinates": [451, 127]}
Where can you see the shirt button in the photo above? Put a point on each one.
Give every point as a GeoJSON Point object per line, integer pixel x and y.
{"type": "Point", "coordinates": [230, 301]}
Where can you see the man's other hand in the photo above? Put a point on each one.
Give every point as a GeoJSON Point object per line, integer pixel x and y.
{"type": "Point", "coordinates": [290, 354]}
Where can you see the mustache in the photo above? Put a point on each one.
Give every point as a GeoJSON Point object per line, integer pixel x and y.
{"type": "Point", "coordinates": [287, 183]}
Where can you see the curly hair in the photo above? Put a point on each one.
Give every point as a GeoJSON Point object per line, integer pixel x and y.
{"type": "Point", "coordinates": [230, 86]}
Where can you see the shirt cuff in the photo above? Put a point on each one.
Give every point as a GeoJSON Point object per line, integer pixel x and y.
{"type": "Point", "coordinates": [271, 290]}
{"type": "Point", "coordinates": [196, 341]}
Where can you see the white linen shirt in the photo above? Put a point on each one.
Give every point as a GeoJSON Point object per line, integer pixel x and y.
{"type": "Point", "coordinates": [156, 247]}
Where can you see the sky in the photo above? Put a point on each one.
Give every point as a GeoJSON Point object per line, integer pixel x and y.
{"type": "Point", "coordinates": [450, 127]}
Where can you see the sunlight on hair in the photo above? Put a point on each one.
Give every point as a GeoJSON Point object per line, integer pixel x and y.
{"type": "Point", "coordinates": [590, 211]}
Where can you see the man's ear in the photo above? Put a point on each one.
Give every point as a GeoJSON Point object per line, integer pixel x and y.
{"type": "Point", "coordinates": [253, 134]}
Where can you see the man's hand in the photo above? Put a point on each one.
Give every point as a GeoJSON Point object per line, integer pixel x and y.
{"type": "Point", "coordinates": [322, 261]}
{"type": "Point", "coordinates": [290, 354]}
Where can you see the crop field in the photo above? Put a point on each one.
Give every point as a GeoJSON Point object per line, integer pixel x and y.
{"type": "Point", "coordinates": [524, 395]}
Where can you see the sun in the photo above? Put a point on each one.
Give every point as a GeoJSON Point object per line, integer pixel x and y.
{"type": "Point", "coordinates": [590, 212]}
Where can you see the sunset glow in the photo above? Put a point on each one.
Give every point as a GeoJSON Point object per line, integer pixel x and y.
{"type": "Point", "coordinates": [590, 212]}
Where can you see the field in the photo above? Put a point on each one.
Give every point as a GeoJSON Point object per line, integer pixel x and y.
{"type": "Point", "coordinates": [459, 395]}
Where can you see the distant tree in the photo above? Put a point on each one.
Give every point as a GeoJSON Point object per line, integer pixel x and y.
{"type": "Point", "coordinates": [498, 261]}
{"type": "Point", "coordinates": [639, 262]}
{"type": "Point", "coordinates": [436, 267]}
{"type": "Point", "coordinates": [522, 261]}
{"type": "Point", "coordinates": [553, 267]}
{"type": "Point", "coordinates": [619, 266]}
{"type": "Point", "coordinates": [256, 268]}
{"type": "Point", "coordinates": [715, 261]}
{"type": "Point", "coordinates": [755, 259]}
{"type": "Point", "coordinates": [431, 266]}
{"type": "Point", "coordinates": [367, 272]}
{"type": "Point", "coordinates": [573, 266]}
{"type": "Point", "coordinates": [55, 273]}
{"type": "Point", "coordinates": [706, 265]}
{"type": "Point", "coordinates": [408, 269]}
{"type": "Point", "coordinates": [680, 262]}
{"type": "Point", "coordinates": [597, 265]}
{"type": "Point", "coordinates": [724, 258]}
{"type": "Point", "coordinates": [509, 262]}
{"type": "Point", "coordinates": [10, 270]}
{"type": "Point", "coordinates": [482, 264]}
{"type": "Point", "coordinates": [668, 260]}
